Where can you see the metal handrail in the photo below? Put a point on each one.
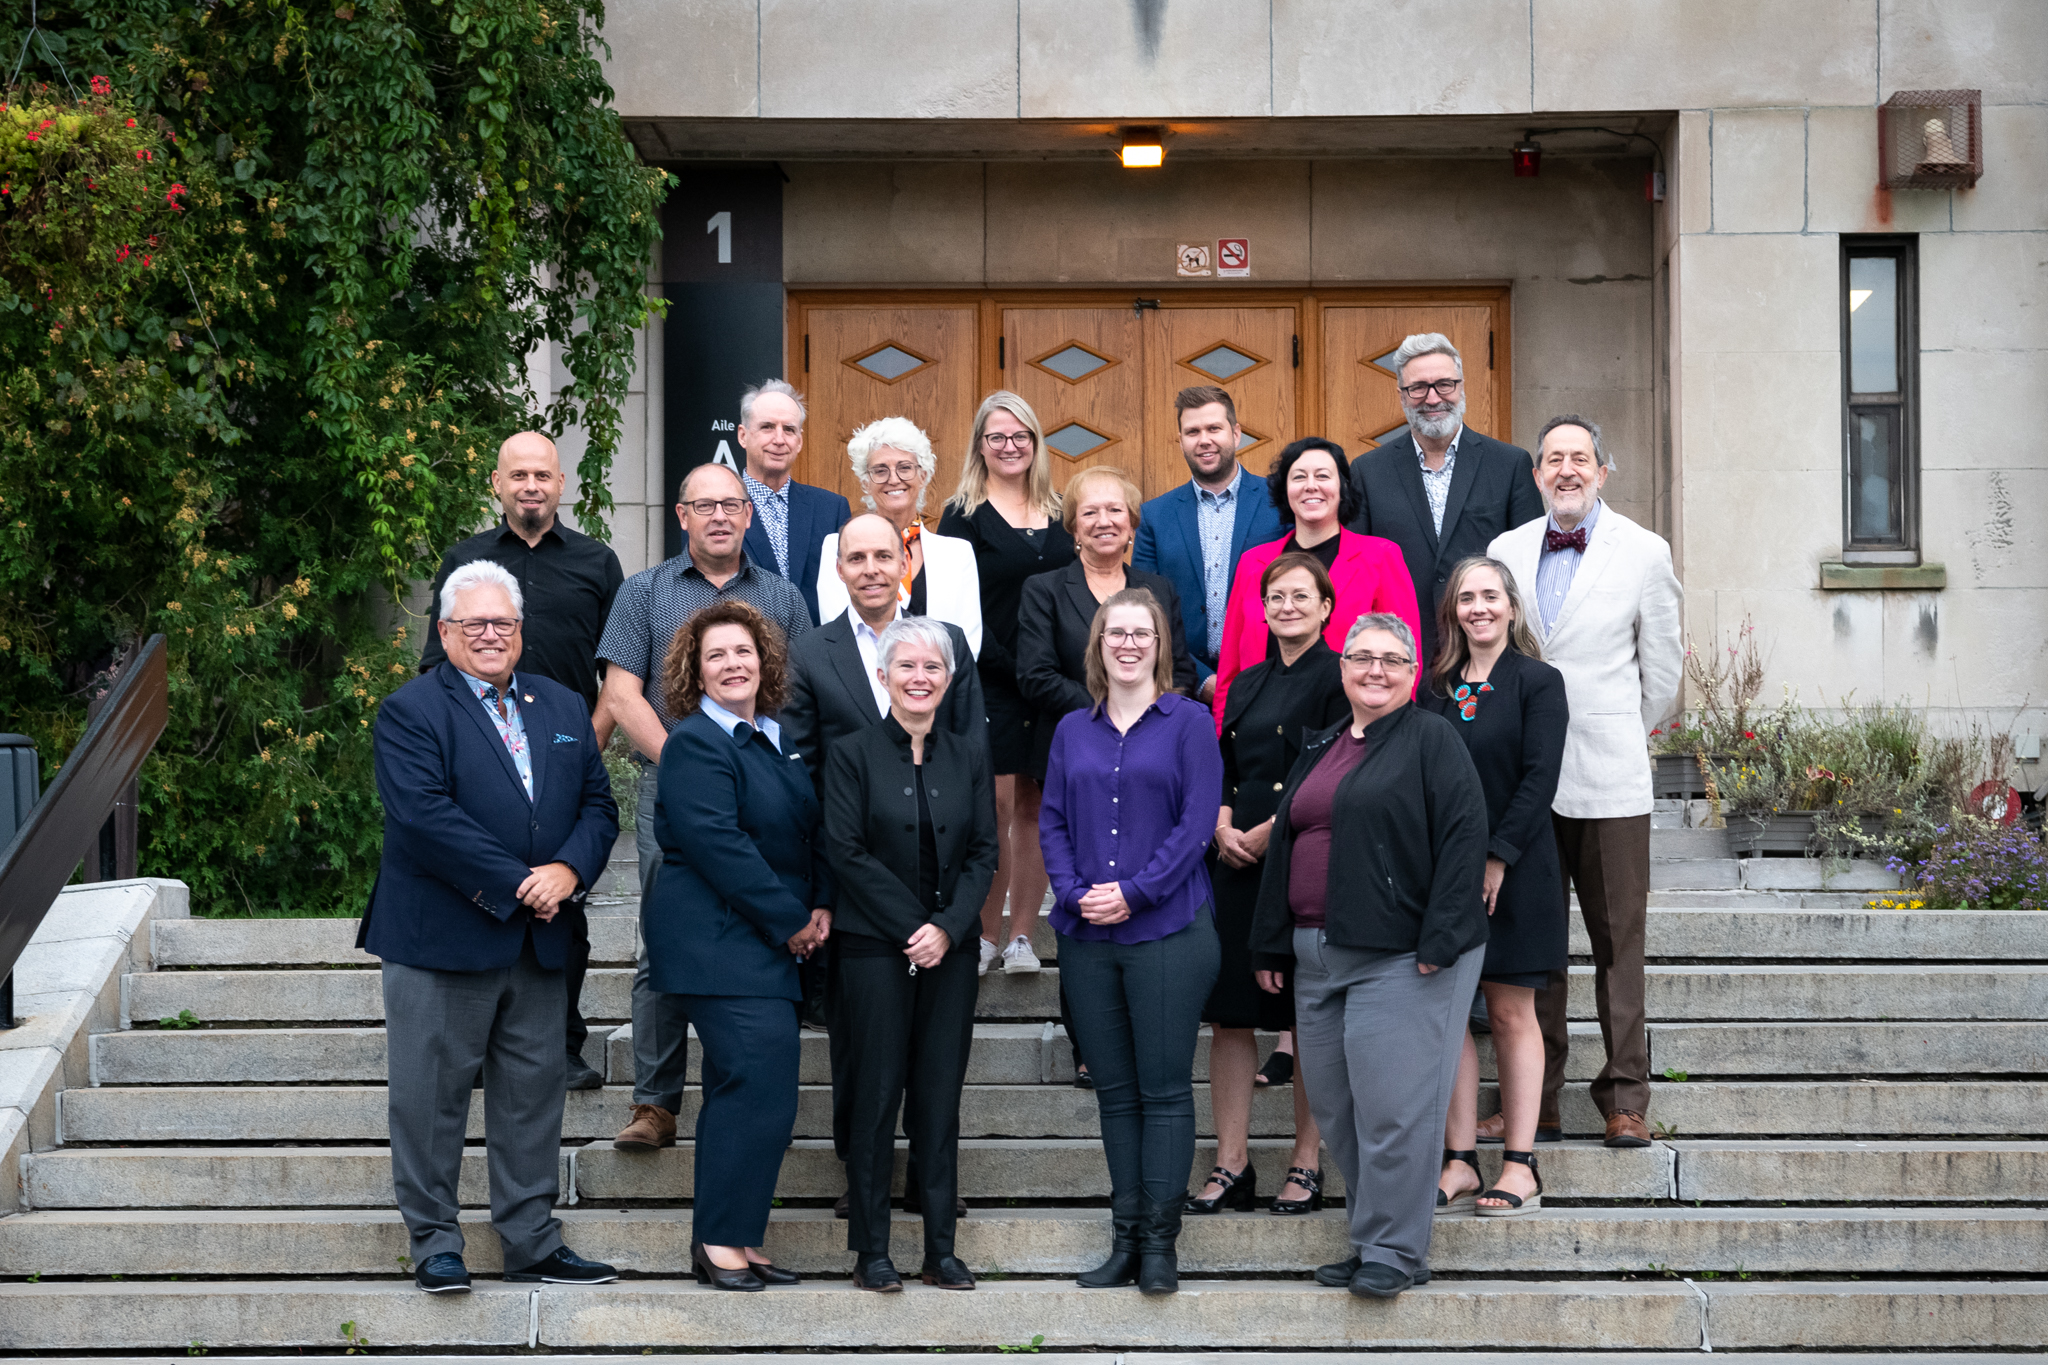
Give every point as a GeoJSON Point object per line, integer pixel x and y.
{"type": "Point", "coordinates": [65, 825]}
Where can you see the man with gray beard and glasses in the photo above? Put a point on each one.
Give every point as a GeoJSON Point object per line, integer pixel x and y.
{"type": "Point", "coordinates": [1439, 490]}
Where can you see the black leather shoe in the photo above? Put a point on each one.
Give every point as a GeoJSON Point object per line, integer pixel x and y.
{"type": "Point", "coordinates": [718, 1277]}
{"type": "Point", "coordinates": [1337, 1274]}
{"type": "Point", "coordinates": [442, 1274]}
{"type": "Point", "coordinates": [581, 1076]}
{"type": "Point", "coordinates": [1240, 1191]}
{"type": "Point", "coordinates": [947, 1272]}
{"type": "Point", "coordinates": [768, 1273]}
{"type": "Point", "coordinates": [1083, 1081]}
{"type": "Point", "coordinates": [1122, 1266]}
{"type": "Point", "coordinates": [1158, 1266]}
{"type": "Point", "coordinates": [1378, 1280]}
{"type": "Point", "coordinates": [564, 1267]}
{"type": "Point", "coordinates": [876, 1274]}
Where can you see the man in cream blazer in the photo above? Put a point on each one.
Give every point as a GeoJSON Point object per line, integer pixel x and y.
{"type": "Point", "coordinates": [1599, 590]}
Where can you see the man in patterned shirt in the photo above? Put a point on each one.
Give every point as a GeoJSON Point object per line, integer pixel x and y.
{"type": "Point", "coordinates": [791, 519]}
{"type": "Point", "coordinates": [652, 605]}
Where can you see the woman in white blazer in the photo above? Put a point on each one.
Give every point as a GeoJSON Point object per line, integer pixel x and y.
{"type": "Point", "coordinates": [894, 462]}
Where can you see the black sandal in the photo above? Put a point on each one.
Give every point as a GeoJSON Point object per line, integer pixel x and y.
{"type": "Point", "coordinates": [1469, 1200]}
{"type": "Point", "coordinates": [1312, 1181]}
{"type": "Point", "coordinates": [1238, 1191]}
{"type": "Point", "coordinates": [1516, 1204]}
{"type": "Point", "coordinates": [1278, 1070]}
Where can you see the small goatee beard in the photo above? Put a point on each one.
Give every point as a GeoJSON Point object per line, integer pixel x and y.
{"type": "Point", "coordinates": [529, 521]}
{"type": "Point", "coordinates": [1436, 426]}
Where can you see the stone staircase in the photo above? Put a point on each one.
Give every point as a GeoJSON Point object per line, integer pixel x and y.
{"type": "Point", "coordinates": [1851, 1158]}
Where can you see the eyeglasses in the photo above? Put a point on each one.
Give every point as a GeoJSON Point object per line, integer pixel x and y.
{"type": "Point", "coordinates": [1016, 440]}
{"type": "Point", "coordinates": [879, 474]}
{"type": "Point", "coordinates": [706, 507]}
{"type": "Point", "coordinates": [1291, 599]}
{"type": "Point", "coordinates": [476, 627]}
{"type": "Point", "coordinates": [1385, 663]}
{"type": "Point", "coordinates": [1416, 392]}
{"type": "Point", "coordinates": [1117, 635]}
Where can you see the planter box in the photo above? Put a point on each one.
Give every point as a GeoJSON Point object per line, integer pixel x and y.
{"type": "Point", "coordinates": [1677, 776]}
{"type": "Point", "coordinates": [1788, 835]}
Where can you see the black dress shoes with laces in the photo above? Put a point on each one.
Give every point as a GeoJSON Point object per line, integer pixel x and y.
{"type": "Point", "coordinates": [580, 1075]}
{"type": "Point", "coordinates": [564, 1267]}
{"type": "Point", "coordinates": [442, 1274]}
{"type": "Point", "coordinates": [947, 1272]}
{"type": "Point", "coordinates": [877, 1274]}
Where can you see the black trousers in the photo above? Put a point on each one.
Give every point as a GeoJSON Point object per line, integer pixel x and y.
{"type": "Point", "coordinates": [906, 1042]}
{"type": "Point", "coordinates": [576, 962]}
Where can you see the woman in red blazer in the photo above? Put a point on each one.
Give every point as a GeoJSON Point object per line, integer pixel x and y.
{"type": "Point", "coordinates": [1310, 484]}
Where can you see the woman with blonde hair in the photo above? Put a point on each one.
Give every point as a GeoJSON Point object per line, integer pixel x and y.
{"type": "Point", "coordinates": [1005, 507]}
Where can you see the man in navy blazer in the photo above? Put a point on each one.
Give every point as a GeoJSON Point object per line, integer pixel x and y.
{"type": "Point", "coordinates": [1439, 490]}
{"type": "Point", "coordinates": [497, 814]}
{"type": "Point", "coordinates": [1195, 534]}
{"type": "Point", "coordinates": [791, 519]}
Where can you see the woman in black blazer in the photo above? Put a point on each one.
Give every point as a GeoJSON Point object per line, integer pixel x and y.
{"type": "Point", "coordinates": [1007, 510]}
{"type": "Point", "coordinates": [744, 891]}
{"type": "Point", "coordinates": [910, 829]}
{"type": "Point", "coordinates": [1509, 707]}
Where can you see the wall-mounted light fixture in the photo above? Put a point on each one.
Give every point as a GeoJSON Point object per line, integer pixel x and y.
{"type": "Point", "coordinates": [1143, 148]}
{"type": "Point", "coordinates": [1931, 139]}
{"type": "Point", "coordinates": [1528, 155]}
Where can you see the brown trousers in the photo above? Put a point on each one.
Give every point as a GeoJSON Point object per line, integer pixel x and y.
{"type": "Point", "coordinates": [1609, 862]}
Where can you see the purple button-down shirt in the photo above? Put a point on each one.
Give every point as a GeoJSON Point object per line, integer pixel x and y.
{"type": "Point", "coordinates": [1137, 809]}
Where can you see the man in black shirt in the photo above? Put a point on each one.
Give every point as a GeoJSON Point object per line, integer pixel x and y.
{"type": "Point", "coordinates": [568, 581]}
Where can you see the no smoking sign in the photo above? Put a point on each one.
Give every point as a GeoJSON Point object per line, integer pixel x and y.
{"type": "Point", "coordinates": [1234, 257]}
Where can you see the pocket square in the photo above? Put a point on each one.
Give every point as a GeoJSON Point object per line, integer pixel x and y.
{"type": "Point", "coordinates": [565, 739]}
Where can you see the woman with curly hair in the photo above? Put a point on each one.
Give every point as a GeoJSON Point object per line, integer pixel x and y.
{"type": "Point", "coordinates": [744, 892]}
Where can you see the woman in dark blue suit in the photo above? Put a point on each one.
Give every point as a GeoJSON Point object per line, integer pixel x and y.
{"type": "Point", "coordinates": [743, 893]}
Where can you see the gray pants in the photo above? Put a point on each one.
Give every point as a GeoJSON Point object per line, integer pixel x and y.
{"type": "Point", "coordinates": [1378, 1044]}
{"type": "Point", "coordinates": [441, 1029]}
{"type": "Point", "coordinates": [661, 1027]}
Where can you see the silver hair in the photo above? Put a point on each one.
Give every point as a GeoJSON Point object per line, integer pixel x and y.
{"type": "Point", "coordinates": [1381, 620]}
{"type": "Point", "coordinates": [481, 573]}
{"type": "Point", "coordinates": [1422, 344]}
{"type": "Point", "coordinates": [772, 386]}
{"type": "Point", "coordinates": [914, 630]}
{"type": "Point", "coordinates": [1591, 428]}
{"type": "Point", "coordinates": [895, 433]}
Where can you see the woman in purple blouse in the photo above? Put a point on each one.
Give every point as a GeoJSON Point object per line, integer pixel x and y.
{"type": "Point", "coordinates": [1132, 787]}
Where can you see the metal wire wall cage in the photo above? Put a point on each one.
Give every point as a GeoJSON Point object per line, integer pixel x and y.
{"type": "Point", "coordinates": [1931, 139]}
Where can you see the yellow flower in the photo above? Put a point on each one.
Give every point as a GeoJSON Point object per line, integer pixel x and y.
{"type": "Point", "coordinates": [174, 606]}
{"type": "Point", "coordinates": [291, 613]}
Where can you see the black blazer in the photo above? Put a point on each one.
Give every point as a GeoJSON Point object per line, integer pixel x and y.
{"type": "Point", "coordinates": [1407, 848]}
{"type": "Point", "coordinates": [1493, 489]}
{"type": "Point", "coordinates": [871, 832]}
{"type": "Point", "coordinates": [829, 696]}
{"type": "Point", "coordinates": [1052, 643]}
{"type": "Point", "coordinates": [1516, 739]}
{"type": "Point", "coordinates": [1004, 559]}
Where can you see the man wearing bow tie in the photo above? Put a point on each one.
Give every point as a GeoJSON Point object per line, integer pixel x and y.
{"type": "Point", "coordinates": [1601, 591]}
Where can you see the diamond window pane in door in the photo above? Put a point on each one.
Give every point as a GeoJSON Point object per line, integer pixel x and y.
{"type": "Point", "coordinates": [1223, 363]}
{"type": "Point", "coordinates": [1384, 362]}
{"type": "Point", "coordinates": [1074, 440]}
{"type": "Point", "coordinates": [1073, 362]}
{"type": "Point", "coordinates": [889, 363]}
{"type": "Point", "coordinates": [1388, 434]}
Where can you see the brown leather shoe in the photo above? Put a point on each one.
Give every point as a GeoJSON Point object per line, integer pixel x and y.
{"type": "Point", "coordinates": [1625, 1128]}
{"type": "Point", "coordinates": [652, 1127]}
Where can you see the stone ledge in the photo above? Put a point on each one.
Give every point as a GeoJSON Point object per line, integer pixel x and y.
{"type": "Point", "coordinates": [1883, 577]}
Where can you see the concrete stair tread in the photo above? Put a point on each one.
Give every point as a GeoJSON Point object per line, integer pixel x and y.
{"type": "Point", "coordinates": [1490, 1314]}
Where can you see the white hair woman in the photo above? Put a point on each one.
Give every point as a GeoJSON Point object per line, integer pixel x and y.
{"type": "Point", "coordinates": [894, 462]}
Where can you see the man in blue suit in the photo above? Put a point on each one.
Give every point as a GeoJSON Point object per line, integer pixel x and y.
{"type": "Point", "coordinates": [1195, 534]}
{"type": "Point", "coordinates": [497, 815]}
{"type": "Point", "coordinates": [791, 519]}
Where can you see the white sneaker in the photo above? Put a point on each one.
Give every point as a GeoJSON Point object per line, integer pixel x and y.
{"type": "Point", "coordinates": [1018, 957]}
{"type": "Point", "coordinates": [988, 957]}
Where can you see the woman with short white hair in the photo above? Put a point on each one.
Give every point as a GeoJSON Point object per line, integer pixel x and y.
{"type": "Point", "coordinates": [895, 463]}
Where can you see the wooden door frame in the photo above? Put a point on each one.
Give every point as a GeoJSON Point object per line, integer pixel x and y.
{"type": "Point", "coordinates": [1308, 395]}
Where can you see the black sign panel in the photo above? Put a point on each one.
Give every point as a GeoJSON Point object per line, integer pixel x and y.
{"type": "Point", "coordinates": [722, 275]}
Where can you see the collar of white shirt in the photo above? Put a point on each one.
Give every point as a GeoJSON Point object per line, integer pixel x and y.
{"type": "Point", "coordinates": [727, 720]}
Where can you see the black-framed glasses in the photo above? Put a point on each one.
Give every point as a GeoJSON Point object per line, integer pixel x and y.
{"type": "Point", "coordinates": [707, 507]}
{"type": "Point", "coordinates": [1420, 390]}
{"type": "Point", "coordinates": [1386, 663]}
{"type": "Point", "coordinates": [1016, 440]}
{"type": "Point", "coordinates": [882, 474]}
{"type": "Point", "coordinates": [1143, 635]}
{"type": "Point", "coordinates": [476, 627]}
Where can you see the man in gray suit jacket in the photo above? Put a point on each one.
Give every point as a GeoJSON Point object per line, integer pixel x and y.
{"type": "Point", "coordinates": [1439, 490]}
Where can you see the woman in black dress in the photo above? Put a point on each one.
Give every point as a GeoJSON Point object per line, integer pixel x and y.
{"type": "Point", "coordinates": [1273, 704]}
{"type": "Point", "coordinates": [1490, 681]}
{"type": "Point", "coordinates": [1007, 510]}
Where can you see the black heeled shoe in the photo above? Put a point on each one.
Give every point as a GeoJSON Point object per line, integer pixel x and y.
{"type": "Point", "coordinates": [1278, 1070]}
{"type": "Point", "coordinates": [1239, 1191]}
{"type": "Point", "coordinates": [1516, 1204]}
{"type": "Point", "coordinates": [1312, 1181]}
{"type": "Point", "coordinates": [877, 1274]}
{"type": "Point", "coordinates": [768, 1273]}
{"type": "Point", "coordinates": [718, 1277]}
{"type": "Point", "coordinates": [1446, 1206]}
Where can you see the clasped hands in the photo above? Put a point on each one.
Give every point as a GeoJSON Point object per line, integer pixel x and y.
{"type": "Point", "coordinates": [1243, 847]}
{"type": "Point", "coordinates": [805, 941]}
{"type": "Point", "coordinates": [1104, 903]}
{"type": "Point", "coordinates": [546, 888]}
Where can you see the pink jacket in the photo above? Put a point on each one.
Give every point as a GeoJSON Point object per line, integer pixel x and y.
{"type": "Point", "coordinates": [1369, 575]}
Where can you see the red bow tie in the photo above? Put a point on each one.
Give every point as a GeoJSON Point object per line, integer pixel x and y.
{"type": "Point", "coordinates": [1565, 540]}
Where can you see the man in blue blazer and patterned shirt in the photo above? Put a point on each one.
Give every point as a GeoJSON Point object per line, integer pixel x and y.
{"type": "Point", "coordinates": [791, 519]}
{"type": "Point", "coordinates": [497, 815]}
{"type": "Point", "coordinates": [1195, 534]}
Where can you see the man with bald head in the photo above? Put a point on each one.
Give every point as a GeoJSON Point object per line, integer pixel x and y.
{"type": "Point", "coordinates": [567, 581]}
{"type": "Point", "coordinates": [652, 605]}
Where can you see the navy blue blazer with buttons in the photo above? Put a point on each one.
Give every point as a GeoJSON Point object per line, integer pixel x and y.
{"type": "Point", "coordinates": [742, 863]}
{"type": "Point", "coordinates": [814, 513]}
{"type": "Point", "coordinates": [1169, 543]}
{"type": "Point", "coordinates": [460, 834]}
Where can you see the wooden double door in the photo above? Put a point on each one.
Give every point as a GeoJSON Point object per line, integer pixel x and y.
{"type": "Point", "coordinates": [1101, 370]}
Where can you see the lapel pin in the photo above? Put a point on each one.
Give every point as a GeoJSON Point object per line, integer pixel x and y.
{"type": "Point", "coordinates": [526, 696]}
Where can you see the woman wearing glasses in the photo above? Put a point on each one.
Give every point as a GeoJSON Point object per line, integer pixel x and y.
{"type": "Point", "coordinates": [1007, 510]}
{"type": "Point", "coordinates": [1310, 484]}
{"type": "Point", "coordinates": [1131, 792]}
{"type": "Point", "coordinates": [1371, 909]}
{"type": "Point", "coordinates": [894, 462]}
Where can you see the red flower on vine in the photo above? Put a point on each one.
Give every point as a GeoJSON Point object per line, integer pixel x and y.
{"type": "Point", "coordinates": [172, 197]}
{"type": "Point", "coordinates": [35, 137]}
{"type": "Point", "coordinates": [122, 254]}
{"type": "Point", "coordinates": [145, 262]}
{"type": "Point", "coordinates": [1749, 734]}
{"type": "Point", "coordinates": [131, 123]}
{"type": "Point", "coordinates": [102, 86]}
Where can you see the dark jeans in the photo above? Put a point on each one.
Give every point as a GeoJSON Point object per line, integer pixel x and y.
{"type": "Point", "coordinates": [1138, 1008]}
